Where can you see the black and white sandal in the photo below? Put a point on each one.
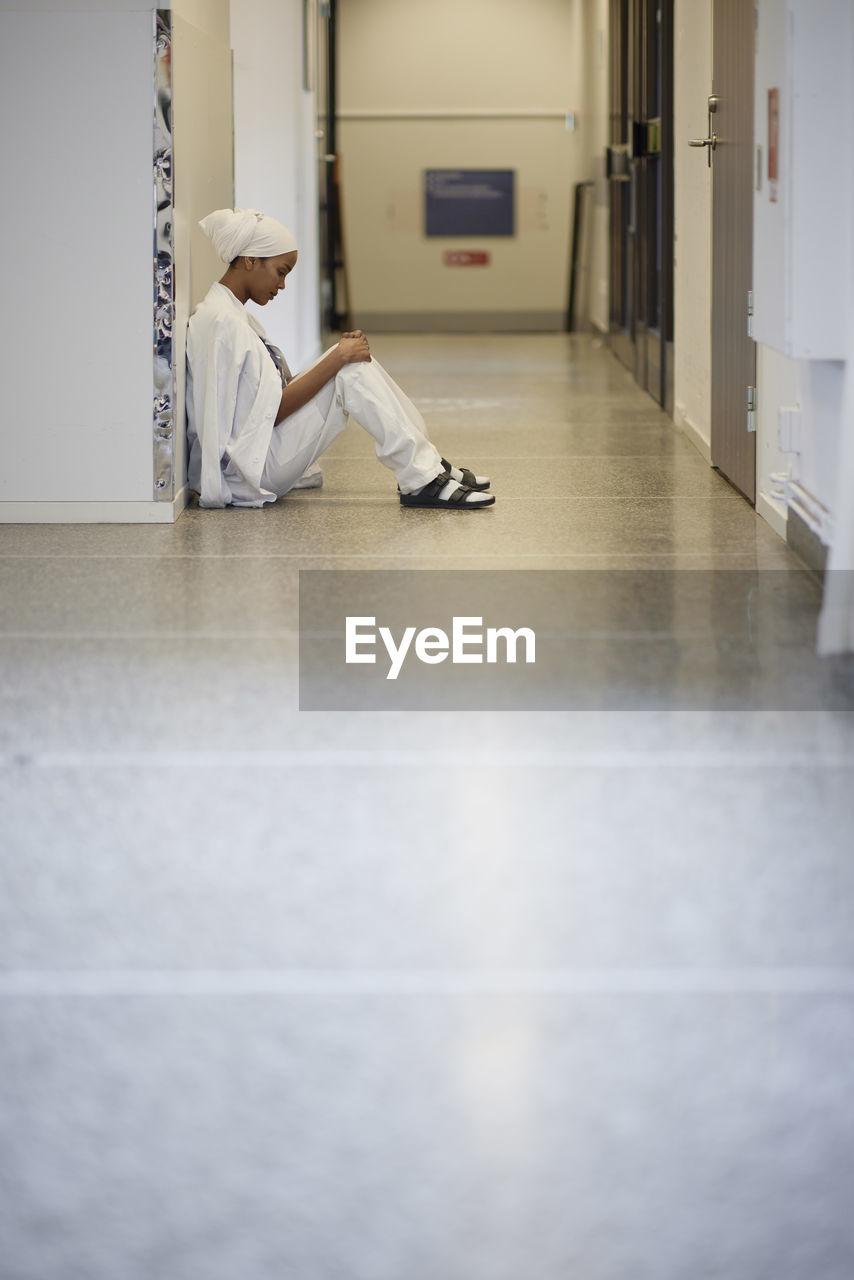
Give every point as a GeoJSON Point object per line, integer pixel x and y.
{"type": "Point", "coordinates": [462, 475]}
{"type": "Point", "coordinates": [448, 493]}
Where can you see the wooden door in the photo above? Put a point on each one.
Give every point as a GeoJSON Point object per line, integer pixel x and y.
{"type": "Point", "coordinates": [733, 445]}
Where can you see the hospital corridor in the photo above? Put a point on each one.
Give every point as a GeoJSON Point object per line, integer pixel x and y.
{"type": "Point", "coordinates": [427, 892]}
{"type": "Point", "coordinates": [429, 994]}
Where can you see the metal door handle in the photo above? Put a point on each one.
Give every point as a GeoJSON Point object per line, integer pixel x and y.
{"type": "Point", "coordinates": [712, 141]}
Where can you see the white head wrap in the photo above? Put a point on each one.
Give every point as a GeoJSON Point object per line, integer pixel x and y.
{"type": "Point", "coordinates": [239, 233]}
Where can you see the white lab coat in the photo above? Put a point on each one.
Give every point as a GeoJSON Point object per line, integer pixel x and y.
{"type": "Point", "coordinates": [239, 456]}
{"type": "Point", "coordinates": [233, 395]}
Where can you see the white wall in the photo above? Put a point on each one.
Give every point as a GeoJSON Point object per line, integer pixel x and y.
{"type": "Point", "coordinates": [276, 157]}
{"type": "Point", "coordinates": [77, 81]}
{"type": "Point", "coordinates": [74, 6]}
{"type": "Point", "coordinates": [593, 102]}
{"type": "Point", "coordinates": [814, 388]}
{"type": "Point", "coordinates": [403, 68]}
{"type": "Point", "coordinates": [692, 275]}
{"type": "Point", "coordinates": [203, 136]}
{"type": "Point", "coordinates": [77, 222]}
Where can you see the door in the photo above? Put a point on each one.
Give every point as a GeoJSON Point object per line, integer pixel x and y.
{"type": "Point", "coordinates": [621, 189]}
{"type": "Point", "coordinates": [733, 445]}
{"type": "Point", "coordinates": [640, 168]}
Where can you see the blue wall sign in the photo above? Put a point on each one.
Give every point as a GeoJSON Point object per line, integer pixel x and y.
{"type": "Point", "coordinates": [470, 202]}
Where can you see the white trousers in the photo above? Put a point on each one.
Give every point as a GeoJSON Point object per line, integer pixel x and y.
{"type": "Point", "coordinates": [366, 392]}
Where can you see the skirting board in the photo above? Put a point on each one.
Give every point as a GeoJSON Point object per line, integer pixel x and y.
{"type": "Point", "coordinates": [774, 512]}
{"type": "Point", "coordinates": [460, 321]}
{"type": "Point", "coordinates": [93, 512]}
{"type": "Point", "coordinates": [806, 544]}
{"type": "Point", "coordinates": [684, 424]}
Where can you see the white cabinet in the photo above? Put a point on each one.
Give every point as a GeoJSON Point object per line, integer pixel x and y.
{"type": "Point", "coordinates": [803, 211]}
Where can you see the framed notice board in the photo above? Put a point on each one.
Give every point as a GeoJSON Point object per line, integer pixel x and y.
{"type": "Point", "coordinates": [470, 202]}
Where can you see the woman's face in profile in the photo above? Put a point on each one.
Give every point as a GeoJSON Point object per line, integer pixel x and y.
{"type": "Point", "coordinates": [267, 276]}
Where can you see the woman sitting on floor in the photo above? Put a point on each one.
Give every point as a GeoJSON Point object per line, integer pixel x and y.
{"type": "Point", "coordinates": [253, 430]}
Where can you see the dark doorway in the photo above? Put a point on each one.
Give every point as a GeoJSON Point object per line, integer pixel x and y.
{"type": "Point", "coordinates": [640, 168]}
{"type": "Point", "coordinates": [334, 305]}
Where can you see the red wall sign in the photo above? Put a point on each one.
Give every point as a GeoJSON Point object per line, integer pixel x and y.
{"type": "Point", "coordinates": [773, 142]}
{"type": "Point", "coordinates": [466, 258]}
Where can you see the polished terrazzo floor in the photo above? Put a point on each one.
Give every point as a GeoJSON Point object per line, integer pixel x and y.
{"type": "Point", "coordinates": [564, 995]}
